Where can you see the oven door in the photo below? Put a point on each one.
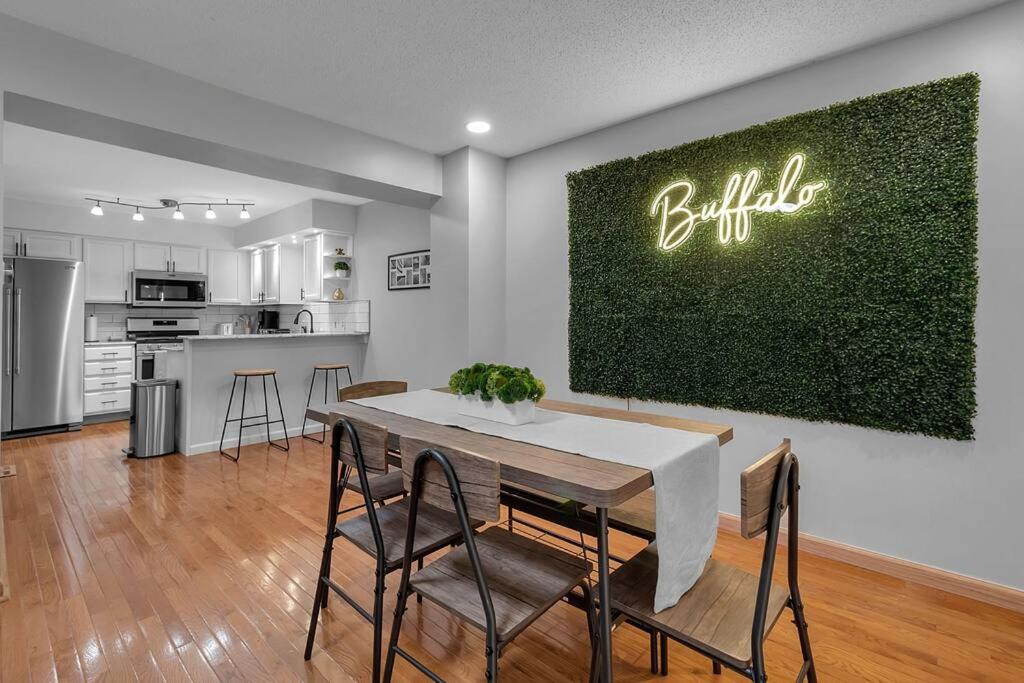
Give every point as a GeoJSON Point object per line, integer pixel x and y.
{"type": "Point", "coordinates": [151, 365]}
{"type": "Point", "coordinates": [168, 290]}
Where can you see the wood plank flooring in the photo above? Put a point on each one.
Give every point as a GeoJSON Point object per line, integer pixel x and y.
{"type": "Point", "coordinates": [201, 569]}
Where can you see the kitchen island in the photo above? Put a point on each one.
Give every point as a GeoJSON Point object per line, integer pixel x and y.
{"type": "Point", "coordinates": [206, 383]}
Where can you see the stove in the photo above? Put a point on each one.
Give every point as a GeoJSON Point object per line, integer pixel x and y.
{"type": "Point", "coordinates": [161, 334]}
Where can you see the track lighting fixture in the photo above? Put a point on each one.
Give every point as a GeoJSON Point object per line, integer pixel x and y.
{"type": "Point", "coordinates": [178, 215]}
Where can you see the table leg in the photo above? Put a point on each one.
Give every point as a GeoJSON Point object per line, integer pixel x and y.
{"type": "Point", "coordinates": [604, 598]}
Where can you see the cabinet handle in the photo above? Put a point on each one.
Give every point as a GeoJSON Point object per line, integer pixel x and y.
{"type": "Point", "coordinates": [108, 384]}
{"type": "Point", "coordinates": [174, 266]}
{"type": "Point", "coordinates": [126, 296]}
{"type": "Point", "coordinates": [24, 248]}
{"type": "Point", "coordinates": [108, 353]}
{"type": "Point", "coordinates": [302, 294]}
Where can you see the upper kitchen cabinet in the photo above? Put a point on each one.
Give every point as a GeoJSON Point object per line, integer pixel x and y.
{"type": "Point", "coordinates": [42, 244]}
{"type": "Point", "coordinates": [227, 282]}
{"type": "Point", "coordinates": [257, 269]}
{"type": "Point", "coordinates": [265, 275]}
{"type": "Point", "coordinates": [108, 266]}
{"type": "Point", "coordinates": [149, 256]}
{"type": "Point", "coordinates": [312, 268]}
{"type": "Point", "coordinates": [188, 259]}
{"type": "Point", "coordinates": [171, 258]}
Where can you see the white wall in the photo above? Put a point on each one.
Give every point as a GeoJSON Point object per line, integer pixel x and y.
{"type": "Point", "coordinates": [406, 333]}
{"type": "Point", "coordinates": [22, 214]}
{"type": "Point", "coordinates": [942, 503]}
{"type": "Point", "coordinates": [486, 254]}
{"type": "Point", "coordinates": [44, 64]}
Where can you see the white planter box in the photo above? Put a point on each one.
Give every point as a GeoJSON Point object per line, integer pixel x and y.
{"type": "Point", "coordinates": [496, 411]}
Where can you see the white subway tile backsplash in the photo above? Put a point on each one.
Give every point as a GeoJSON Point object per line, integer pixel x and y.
{"type": "Point", "coordinates": [345, 316]}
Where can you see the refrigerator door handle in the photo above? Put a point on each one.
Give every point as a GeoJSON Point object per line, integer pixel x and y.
{"type": "Point", "coordinates": [8, 330]}
{"type": "Point", "coordinates": [17, 331]}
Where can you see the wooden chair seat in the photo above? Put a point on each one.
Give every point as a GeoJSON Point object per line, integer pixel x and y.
{"type": "Point", "coordinates": [330, 366]}
{"type": "Point", "coordinates": [382, 487]}
{"type": "Point", "coordinates": [255, 372]}
{"type": "Point", "coordinates": [435, 529]}
{"type": "Point", "coordinates": [715, 615]}
{"type": "Point", "coordinates": [525, 578]}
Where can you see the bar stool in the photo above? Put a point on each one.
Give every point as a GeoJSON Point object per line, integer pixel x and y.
{"type": "Point", "coordinates": [245, 375]}
{"type": "Point", "coordinates": [326, 367]}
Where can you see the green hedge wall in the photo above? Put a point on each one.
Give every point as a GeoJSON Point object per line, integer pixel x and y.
{"type": "Point", "coordinates": [857, 309]}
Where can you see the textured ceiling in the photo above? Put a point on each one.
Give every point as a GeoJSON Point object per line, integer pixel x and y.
{"type": "Point", "coordinates": [542, 71]}
{"type": "Point", "coordinates": [59, 169]}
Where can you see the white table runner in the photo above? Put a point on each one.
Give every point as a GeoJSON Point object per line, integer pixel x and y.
{"type": "Point", "coordinates": [684, 465]}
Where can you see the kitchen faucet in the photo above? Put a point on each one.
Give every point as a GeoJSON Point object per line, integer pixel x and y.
{"type": "Point", "coordinates": [308, 312]}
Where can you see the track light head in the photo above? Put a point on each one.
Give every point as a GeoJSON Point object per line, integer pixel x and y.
{"type": "Point", "coordinates": [96, 210]}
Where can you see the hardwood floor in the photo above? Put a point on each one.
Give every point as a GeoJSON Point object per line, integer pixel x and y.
{"type": "Point", "coordinates": [202, 569]}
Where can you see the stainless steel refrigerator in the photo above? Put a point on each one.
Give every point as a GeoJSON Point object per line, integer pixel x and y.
{"type": "Point", "coordinates": [43, 330]}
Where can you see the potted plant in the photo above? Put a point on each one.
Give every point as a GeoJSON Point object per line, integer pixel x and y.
{"type": "Point", "coordinates": [341, 269]}
{"type": "Point", "coordinates": [497, 392]}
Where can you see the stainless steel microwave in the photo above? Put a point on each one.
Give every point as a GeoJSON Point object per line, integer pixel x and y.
{"type": "Point", "coordinates": [157, 289]}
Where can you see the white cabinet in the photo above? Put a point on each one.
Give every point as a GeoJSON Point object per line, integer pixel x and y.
{"type": "Point", "coordinates": [42, 244]}
{"type": "Point", "coordinates": [12, 242]}
{"type": "Point", "coordinates": [171, 258]}
{"type": "Point", "coordinates": [108, 373]}
{"type": "Point", "coordinates": [108, 266]}
{"type": "Point", "coordinates": [272, 275]}
{"type": "Point", "coordinates": [312, 268]}
{"type": "Point", "coordinates": [257, 269]}
{"type": "Point", "coordinates": [188, 259]}
{"type": "Point", "coordinates": [225, 283]}
{"type": "Point", "coordinates": [149, 256]}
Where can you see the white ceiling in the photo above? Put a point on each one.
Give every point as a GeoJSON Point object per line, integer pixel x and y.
{"type": "Point", "coordinates": [60, 169]}
{"type": "Point", "coordinates": [540, 71]}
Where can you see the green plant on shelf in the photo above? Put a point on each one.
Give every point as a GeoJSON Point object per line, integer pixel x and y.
{"type": "Point", "coordinates": [341, 269]}
{"type": "Point", "coordinates": [504, 382]}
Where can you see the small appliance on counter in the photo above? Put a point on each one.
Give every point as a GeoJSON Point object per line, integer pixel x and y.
{"type": "Point", "coordinates": [153, 421]}
{"type": "Point", "coordinates": [267, 321]}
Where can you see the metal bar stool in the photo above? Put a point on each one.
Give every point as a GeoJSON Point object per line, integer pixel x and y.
{"type": "Point", "coordinates": [245, 375]}
{"type": "Point", "coordinates": [326, 367]}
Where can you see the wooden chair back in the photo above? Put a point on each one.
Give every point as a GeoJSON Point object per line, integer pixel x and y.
{"type": "Point", "coordinates": [479, 479]}
{"type": "Point", "coordinates": [370, 389]}
{"type": "Point", "coordinates": [757, 487]}
{"type": "Point", "coordinates": [373, 442]}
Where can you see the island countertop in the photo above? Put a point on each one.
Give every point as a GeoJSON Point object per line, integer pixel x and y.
{"type": "Point", "coordinates": [288, 335]}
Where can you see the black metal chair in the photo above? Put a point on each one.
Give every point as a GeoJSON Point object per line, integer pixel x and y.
{"type": "Point", "coordinates": [386, 485]}
{"type": "Point", "coordinates": [245, 375]}
{"type": "Point", "coordinates": [728, 613]}
{"type": "Point", "coordinates": [498, 581]}
{"type": "Point", "coordinates": [381, 533]}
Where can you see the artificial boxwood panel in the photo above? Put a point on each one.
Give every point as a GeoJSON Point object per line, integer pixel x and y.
{"type": "Point", "coordinates": [857, 309]}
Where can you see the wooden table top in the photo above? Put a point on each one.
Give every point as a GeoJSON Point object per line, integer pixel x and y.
{"type": "Point", "coordinates": [569, 475]}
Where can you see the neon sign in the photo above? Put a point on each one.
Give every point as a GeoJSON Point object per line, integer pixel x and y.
{"type": "Point", "coordinates": [733, 212]}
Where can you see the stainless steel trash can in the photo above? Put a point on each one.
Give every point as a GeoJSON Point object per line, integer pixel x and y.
{"type": "Point", "coordinates": [152, 425]}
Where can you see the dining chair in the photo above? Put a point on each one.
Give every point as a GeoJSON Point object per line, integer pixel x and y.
{"type": "Point", "coordinates": [728, 613]}
{"type": "Point", "coordinates": [497, 581]}
{"type": "Point", "coordinates": [379, 532]}
{"type": "Point", "coordinates": [388, 484]}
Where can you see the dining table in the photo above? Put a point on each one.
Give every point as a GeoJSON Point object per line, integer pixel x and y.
{"type": "Point", "coordinates": [598, 484]}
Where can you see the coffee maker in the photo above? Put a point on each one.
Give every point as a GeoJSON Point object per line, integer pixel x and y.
{"type": "Point", "coordinates": [267, 321]}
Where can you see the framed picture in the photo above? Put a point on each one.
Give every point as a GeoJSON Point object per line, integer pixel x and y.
{"type": "Point", "coordinates": [409, 270]}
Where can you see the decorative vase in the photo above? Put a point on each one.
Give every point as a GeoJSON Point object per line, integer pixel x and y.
{"type": "Point", "coordinates": [521, 412]}
{"type": "Point", "coordinates": [338, 294]}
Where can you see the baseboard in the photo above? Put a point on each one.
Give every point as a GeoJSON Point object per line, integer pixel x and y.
{"type": "Point", "coordinates": [254, 437]}
{"type": "Point", "coordinates": [958, 584]}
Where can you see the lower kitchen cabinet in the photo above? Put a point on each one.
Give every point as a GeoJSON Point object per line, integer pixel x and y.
{"type": "Point", "coordinates": [109, 371]}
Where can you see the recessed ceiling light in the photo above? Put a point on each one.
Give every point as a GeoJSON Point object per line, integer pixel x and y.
{"type": "Point", "coordinates": [478, 126]}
